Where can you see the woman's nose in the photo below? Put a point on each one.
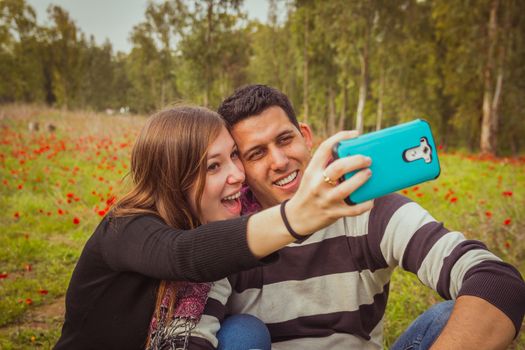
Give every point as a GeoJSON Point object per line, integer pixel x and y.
{"type": "Point", "coordinates": [236, 174]}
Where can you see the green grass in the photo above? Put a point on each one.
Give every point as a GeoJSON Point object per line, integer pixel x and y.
{"type": "Point", "coordinates": [72, 174]}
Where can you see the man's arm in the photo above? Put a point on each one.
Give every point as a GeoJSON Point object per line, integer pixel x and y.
{"type": "Point", "coordinates": [475, 324]}
{"type": "Point", "coordinates": [454, 267]}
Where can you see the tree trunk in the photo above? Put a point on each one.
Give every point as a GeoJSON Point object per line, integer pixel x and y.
{"type": "Point", "coordinates": [489, 120]}
{"type": "Point", "coordinates": [380, 98]}
{"type": "Point", "coordinates": [342, 117]}
{"type": "Point", "coordinates": [209, 31]}
{"type": "Point", "coordinates": [363, 88]}
{"type": "Point", "coordinates": [331, 110]}
{"type": "Point", "coordinates": [305, 70]}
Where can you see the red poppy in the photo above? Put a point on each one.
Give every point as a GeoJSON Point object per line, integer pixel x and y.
{"type": "Point", "coordinates": [453, 200]}
{"type": "Point", "coordinates": [507, 222]}
{"type": "Point", "coordinates": [29, 301]}
{"type": "Point", "coordinates": [43, 292]}
{"type": "Point", "coordinates": [60, 212]}
{"type": "Point", "coordinates": [507, 244]}
{"type": "Point", "coordinates": [17, 215]}
{"type": "Point", "coordinates": [101, 212]}
{"type": "Point", "coordinates": [70, 195]}
{"type": "Point", "coordinates": [420, 195]}
{"type": "Point", "coordinates": [3, 275]}
{"type": "Point", "coordinates": [76, 221]}
{"type": "Point", "coordinates": [28, 267]}
{"type": "Point", "coordinates": [415, 188]}
{"type": "Point", "coordinates": [405, 192]}
{"type": "Point", "coordinates": [20, 186]}
{"type": "Point", "coordinates": [488, 214]}
{"type": "Point", "coordinates": [507, 193]}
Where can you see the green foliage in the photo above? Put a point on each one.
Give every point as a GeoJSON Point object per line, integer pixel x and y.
{"type": "Point", "coordinates": [343, 64]}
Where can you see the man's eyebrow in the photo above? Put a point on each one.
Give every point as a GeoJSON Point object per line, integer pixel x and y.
{"type": "Point", "coordinates": [250, 150]}
{"type": "Point", "coordinates": [283, 133]}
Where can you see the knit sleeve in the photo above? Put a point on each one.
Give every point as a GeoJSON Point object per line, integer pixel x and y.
{"type": "Point", "coordinates": [146, 245]}
{"type": "Point", "coordinates": [444, 260]}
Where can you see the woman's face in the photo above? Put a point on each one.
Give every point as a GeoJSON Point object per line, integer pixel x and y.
{"type": "Point", "coordinates": [224, 179]}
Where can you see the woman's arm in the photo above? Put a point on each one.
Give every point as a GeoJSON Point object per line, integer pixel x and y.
{"type": "Point", "coordinates": [210, 252]}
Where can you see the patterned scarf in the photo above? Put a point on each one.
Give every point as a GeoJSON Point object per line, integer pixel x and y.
{"type": "Point", "coordinates": [191, 299]}
{"type": "Point", "coordinates": [174, 333]}
{"type": "Point", "coordinates": [249, 203]}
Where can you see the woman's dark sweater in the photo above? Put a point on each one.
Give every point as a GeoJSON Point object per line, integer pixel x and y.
{"type": "Point", "coordinates": [112, 292]}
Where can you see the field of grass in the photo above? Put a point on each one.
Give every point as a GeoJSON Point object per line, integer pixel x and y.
{"type": "Point", "coordinates": [56, 186]}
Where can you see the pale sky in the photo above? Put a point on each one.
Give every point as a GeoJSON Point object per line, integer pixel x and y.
{"type": "Point", "coordinates": [114, 19]}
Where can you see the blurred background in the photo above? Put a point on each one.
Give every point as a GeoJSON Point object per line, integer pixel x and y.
{"type": "Point", "coordinates": [78, 77]}
{"type": "Point", "coordinates": [345, 64]}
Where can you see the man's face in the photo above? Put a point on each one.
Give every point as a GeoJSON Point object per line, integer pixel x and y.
{"type": "Point", "coordinates": [274, 154]}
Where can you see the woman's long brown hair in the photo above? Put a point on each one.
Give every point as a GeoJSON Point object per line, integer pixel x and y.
{"type": "Point", "coordinates": [168, 158]}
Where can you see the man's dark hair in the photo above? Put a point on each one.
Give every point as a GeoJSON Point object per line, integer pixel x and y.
{"type": "Point", "coordinates": [252, 100]}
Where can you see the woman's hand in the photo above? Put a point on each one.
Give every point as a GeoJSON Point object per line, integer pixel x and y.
{"type": "Point", "coordinates": [319, 201]}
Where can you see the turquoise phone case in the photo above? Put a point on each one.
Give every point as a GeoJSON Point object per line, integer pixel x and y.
{"type": "Point", "coordinates": [392, 152]}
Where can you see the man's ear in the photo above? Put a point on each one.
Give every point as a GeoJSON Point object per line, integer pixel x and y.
{"type": "Point", "coordinates": [307, 134]}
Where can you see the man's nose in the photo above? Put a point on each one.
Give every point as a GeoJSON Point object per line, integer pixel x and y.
{"type": "Point", "coordinates": [279, 160]}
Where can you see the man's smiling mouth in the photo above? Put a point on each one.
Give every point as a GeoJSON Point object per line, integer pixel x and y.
{"type": "Point", "coordinates": [285, 181]}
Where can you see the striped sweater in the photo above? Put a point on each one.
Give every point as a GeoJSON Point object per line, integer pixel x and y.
{"type": "Point", "coordinates": [331, 290]}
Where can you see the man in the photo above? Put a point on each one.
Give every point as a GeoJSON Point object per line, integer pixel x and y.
{"type": "Point", "coordinates": [330, 291]}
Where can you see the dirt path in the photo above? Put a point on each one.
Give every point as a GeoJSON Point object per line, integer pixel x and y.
{"type": "Point", "coordinates": [42, 317]}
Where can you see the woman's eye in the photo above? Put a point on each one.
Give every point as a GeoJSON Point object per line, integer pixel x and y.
{"type": "Point", "coordinates": [235, 155]}
{"type": "Point", "coordinates": [213, 166]}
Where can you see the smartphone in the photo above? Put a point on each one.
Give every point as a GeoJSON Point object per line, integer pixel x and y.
{"type": "Point", "coordinates": [402, 156]}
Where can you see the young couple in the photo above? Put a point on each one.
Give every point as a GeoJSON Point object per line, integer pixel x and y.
{"type": "Point", "coordinates": [144, 279]}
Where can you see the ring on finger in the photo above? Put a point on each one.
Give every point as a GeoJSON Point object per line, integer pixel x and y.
{"type": "Point", "coordinates": [328, 180]}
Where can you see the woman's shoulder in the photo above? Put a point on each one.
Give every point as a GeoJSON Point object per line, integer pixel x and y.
{"type": "Point", "coordinates": [120, 223]}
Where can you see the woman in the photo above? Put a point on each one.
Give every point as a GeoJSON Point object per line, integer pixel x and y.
{"type": "Point", "coordinates": [155, 233]}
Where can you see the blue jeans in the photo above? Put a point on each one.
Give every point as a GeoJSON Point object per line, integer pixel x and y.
{"type": "Point", "coordinates": [243, 332]}
{"type": "Point", "coordinates": [422, 333]}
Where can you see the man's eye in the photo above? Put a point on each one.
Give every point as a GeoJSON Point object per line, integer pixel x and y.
{"type": "Point", "coordinates": [285, 140]}
{"type": "Point", "coordinates": [256, 155]}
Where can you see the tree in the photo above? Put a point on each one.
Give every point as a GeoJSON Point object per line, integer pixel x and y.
{"type": "Point", "coordinates": [20, 53]}
{"type": "Point", "coordinates": [207, 49]}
